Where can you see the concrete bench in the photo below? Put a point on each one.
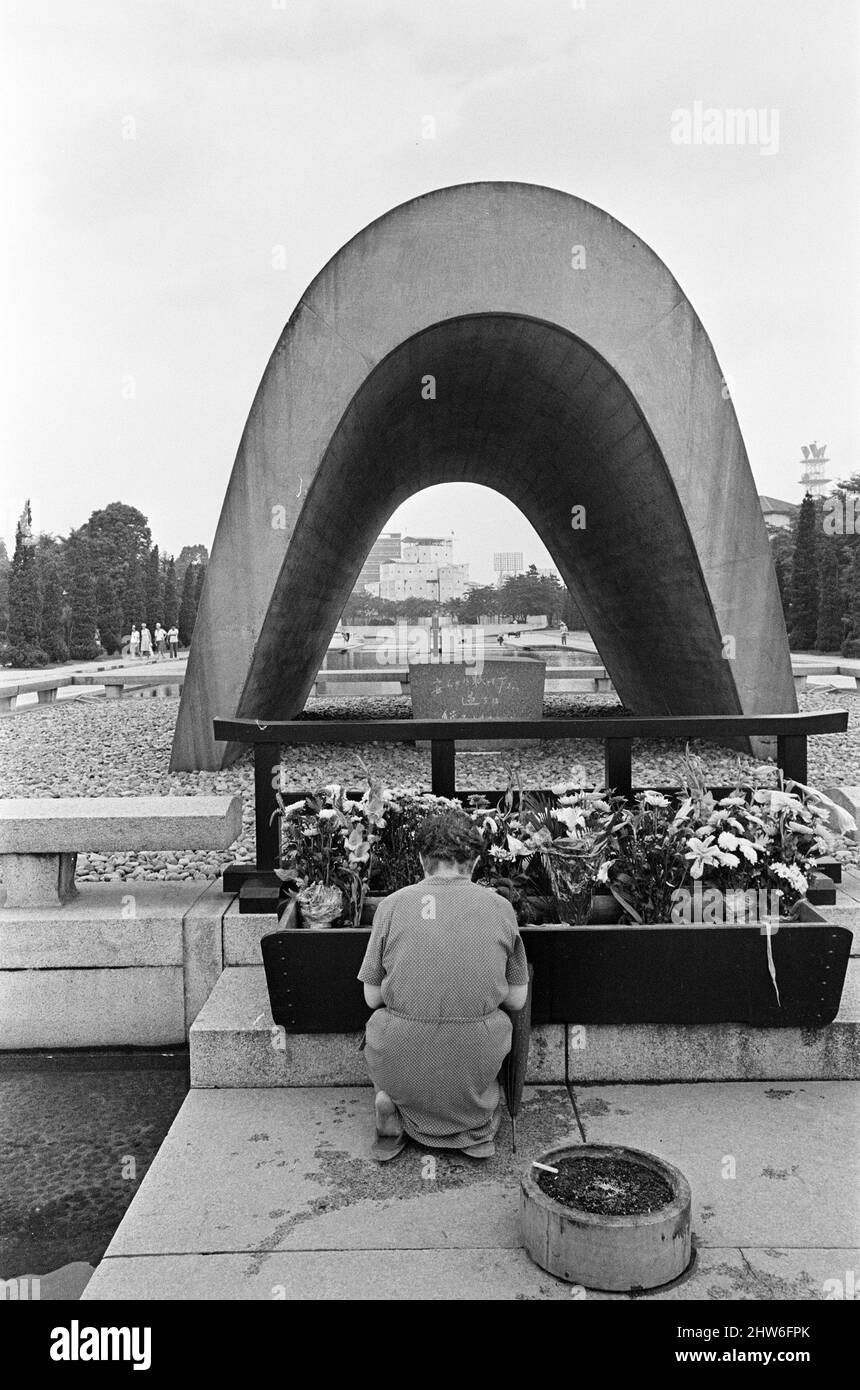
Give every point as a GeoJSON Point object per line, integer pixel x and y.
{"type": "Point", "coordinates": [327, 682]}
{"type": "Point", "coordinates": [597, 677]}
{"type": "Point", "coordinates": [116, 684]}
{"type": "Point", "coordinates": [46, 688]}
{"type": "Point", "coordinates": [41, 837]}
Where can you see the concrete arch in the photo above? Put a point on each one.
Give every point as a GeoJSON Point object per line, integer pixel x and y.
{"type": "Point", "coordinates": [570, 369]}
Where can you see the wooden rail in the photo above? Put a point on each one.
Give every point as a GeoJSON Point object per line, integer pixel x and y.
{"type": "Point", "coordinates": [617, 732]}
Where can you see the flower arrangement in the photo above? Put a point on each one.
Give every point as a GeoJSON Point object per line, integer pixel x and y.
{"type": "Point", "coordinates": [351, 846]}
{"type": "Point", "coordinates": [327, 839]}
{"type": "Point", "coordinates": [552, 853]}
{"type": "Point", "coordinates": [757, 844]}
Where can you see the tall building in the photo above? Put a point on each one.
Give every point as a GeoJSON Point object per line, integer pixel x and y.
{"type": "Point", "coordinates": [386, 547]}
{"type": "Point", "coordinates": [507, 563]}
{"type": "Point", "coordinates": [400, 567]}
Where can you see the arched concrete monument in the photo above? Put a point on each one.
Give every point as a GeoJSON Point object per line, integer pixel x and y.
{"type": "Point", "coordinates": [568, 370]}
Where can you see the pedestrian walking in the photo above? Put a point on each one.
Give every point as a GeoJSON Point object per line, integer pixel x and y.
{"type": "Point", "coordinates": [160, 640]}
{"type": "Point", "coordinates": [134, 641]}
{"type": "Point", "coordinates": [173, 639]}
{"type": "Point", "coordinates": [562, 627]}
{"type": "Point", "coordinates": [145, 641]}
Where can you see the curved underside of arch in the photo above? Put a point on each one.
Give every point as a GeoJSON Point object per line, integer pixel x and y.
{"type": "Point", "coordinates": [555, 386]}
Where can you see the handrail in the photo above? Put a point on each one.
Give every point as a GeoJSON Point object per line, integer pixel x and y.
{"type": "Point", "coordinates": [607, 726]}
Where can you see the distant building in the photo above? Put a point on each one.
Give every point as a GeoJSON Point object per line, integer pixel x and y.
{"type": "Point", "coordinates": [507, 563]}
{"type": "Point", "coordinates": [778, 513]}
{"type": "Point", "coordinates": [427, 550]}
{"type": "Point", "coordinates": [401, 579]}
{"type": "Point", "coordinates": [386, 547]}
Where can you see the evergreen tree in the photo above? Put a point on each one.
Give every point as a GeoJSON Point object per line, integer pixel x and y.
{"type": "Point", "coordinates": [5, 567]}
{"type": "Point", "coordinates": [830, 607]}
{"type": "Point", "coordinates": [804, 579]}
{"type": "Point", "coordinates": [572, 614]}
{"type": "Point", "coordinates": [190, 555]}
{"type": "Point", "coordinates": [134, 596]}
{"type": "Point", "coordinates": [782, 549]}
{"type": "Point", "coordinates": [171, 598]}
{"type": "Point", "coordinates": [53, 626]}
{"type": "Point", "coordinates": [109, 614]}
{"type": "Point", "coordinates": [25, 600]}
{"type": "Point", "coordinates": [198, 587]}
{"type": "Point", "coordinates": [119, 540]}
{"type": "Point", "coordinates": [187, 607]}
{"type": "Point", "coordinates": [851, 642]}
{"type": "Point", "coordinates": [154, 591]}
{"type": "Point", "coordinates": [82, 598]}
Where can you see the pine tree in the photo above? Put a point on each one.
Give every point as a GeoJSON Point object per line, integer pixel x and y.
{"type": "Point", "coordinates": [171, 598]}
{"type": "Point", "coordinates": [187, 608]}
{"type": "Point", "coordinates": [829, 633]}
{"type": "Point", "coordinates": [804, 579]}
{"type": "Point", "coordinates": [82, 596]}
{"type": "Point", "coordinates": [154, 592]}
{"type": "Point", "coordinates": [25, 600]}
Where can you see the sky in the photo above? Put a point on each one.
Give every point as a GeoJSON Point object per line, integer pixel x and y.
{"type": "Point", "coordinates": [157, 154]}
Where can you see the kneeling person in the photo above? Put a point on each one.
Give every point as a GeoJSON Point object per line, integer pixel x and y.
{"type": "Point", "coordinates": [444, 966]}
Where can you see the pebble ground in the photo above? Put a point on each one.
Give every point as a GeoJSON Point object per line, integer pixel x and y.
{"type": "Point", "coordinates": [94, 747]}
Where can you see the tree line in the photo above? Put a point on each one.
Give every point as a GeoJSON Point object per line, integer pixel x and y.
{"type": "Point", "coordinates": [78, 597]}
{"type": "Point", "coordinates": [817, 566]}
{"type": "Point", "coordinates": [521, 596]}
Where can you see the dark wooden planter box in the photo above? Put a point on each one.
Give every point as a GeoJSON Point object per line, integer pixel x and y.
{"type": "Point", "coordinates": [670, 974]}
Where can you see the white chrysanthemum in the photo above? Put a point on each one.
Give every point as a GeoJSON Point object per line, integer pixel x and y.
{"type": "Point", "coordinates": [737, 842]}
{"type": "Point", "coordinates": [792, 874]}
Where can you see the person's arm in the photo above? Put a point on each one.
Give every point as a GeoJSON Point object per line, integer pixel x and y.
{"type": "Point", "coordinates": [517, 972]}
{"type": "Point", "coordinates": [372, 972]}
{"type": "Point", "coordinates": [516, 1000]}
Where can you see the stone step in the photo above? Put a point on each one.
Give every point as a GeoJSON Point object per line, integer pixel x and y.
{"type": "Point", "coordinates": [235, 1043]}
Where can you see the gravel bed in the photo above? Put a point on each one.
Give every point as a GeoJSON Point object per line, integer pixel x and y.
{"type": "Point", "coordinates": [95, 747]}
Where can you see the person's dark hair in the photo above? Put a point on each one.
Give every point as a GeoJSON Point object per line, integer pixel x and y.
{"type": "Point", "coordinates": [448, 836]}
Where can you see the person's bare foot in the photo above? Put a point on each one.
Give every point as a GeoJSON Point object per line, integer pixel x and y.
{"type": "Point", "coordinates": [391, 1137]}
{"type": "Point", "coordinates": [388, 1120]}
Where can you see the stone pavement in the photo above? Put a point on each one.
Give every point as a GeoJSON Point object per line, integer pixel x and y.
{"type": "Point", "coordinates": [9, 674]}
{"type": "Point", "coordinates": [270, 1194]}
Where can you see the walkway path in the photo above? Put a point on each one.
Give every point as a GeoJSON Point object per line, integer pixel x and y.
{"type": "Point", "coordinates": [269, 1194]}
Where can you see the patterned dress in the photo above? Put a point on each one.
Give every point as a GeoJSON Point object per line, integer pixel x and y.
{"type": "Point", "coordinates": [444, 952]}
